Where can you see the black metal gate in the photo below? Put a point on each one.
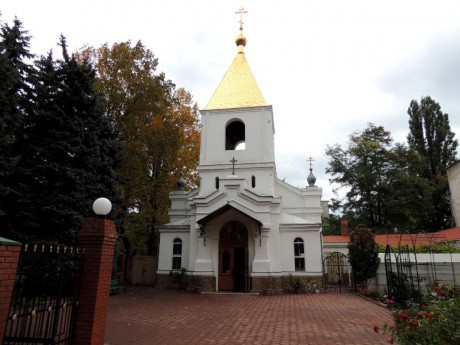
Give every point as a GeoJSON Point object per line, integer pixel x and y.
{"type": "Point", "coordinates": [338, 275]}
{"type": "Point", "coordinates": [391, 277]}
{"type": "Point", "coordinates": [45, 296]}
{"type": "Point", "coordinates": [403, 285]}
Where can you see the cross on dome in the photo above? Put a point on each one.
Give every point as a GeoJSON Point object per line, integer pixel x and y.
{"type": "Point", "coordinates": [311, 179]}
{"type": "Point", "coordinates": [240, 12]}
{"type": "Point", "coordinates": [309, 160]}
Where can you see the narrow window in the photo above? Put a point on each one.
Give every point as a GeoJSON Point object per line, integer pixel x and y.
{"type": "Point", "coordinates": [177, 254]}
{"type": "Point", "coordinates": [253, 181]}
{"type": "Point", "coordinates": [217, 183]}
{"type": "Point", "coordinates": [299, 255]}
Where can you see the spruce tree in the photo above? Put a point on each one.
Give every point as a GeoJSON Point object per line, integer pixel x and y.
{"type": "Point", "coordinates": [70, 154]}
{"type": "Point", "coordinates": [15, 75]}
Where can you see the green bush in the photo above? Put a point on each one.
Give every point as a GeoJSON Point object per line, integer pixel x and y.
{"type": "Point", "coordinates": [296, 282]}
{"type": "Point", "coordinates": [437, 323]}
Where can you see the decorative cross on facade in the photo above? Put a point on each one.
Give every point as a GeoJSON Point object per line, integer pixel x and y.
{"type": "Point", "coordinates": [241, 11]}
{"type": "Point", "coordinates": [233, 161]}
{"type": "Point", "coordinates": [309, 160]}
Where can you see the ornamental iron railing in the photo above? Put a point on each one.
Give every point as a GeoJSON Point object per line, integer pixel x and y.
{"type": "Point", "coordinates": [45, 295]}
{"type": "Point", "coordinates": [338, 274]}
{"type": "Point", "coordinates": [415, 267]}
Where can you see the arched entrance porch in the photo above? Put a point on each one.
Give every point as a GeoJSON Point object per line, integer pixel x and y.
{"type": "Point", "coordinates": [233, 258]}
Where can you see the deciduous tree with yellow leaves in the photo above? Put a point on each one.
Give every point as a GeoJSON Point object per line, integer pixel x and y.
{"type": "Point", "coordinates": [159, 128]}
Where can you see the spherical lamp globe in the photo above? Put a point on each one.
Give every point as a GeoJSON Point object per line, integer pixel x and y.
{"type": "Point", "coordinates": [102, 206]}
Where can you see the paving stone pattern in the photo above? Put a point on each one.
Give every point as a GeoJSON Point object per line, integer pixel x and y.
{"type": "Point", "coordinates": [147, 316]}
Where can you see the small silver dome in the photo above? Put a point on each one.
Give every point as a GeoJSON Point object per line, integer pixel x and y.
{"type": "Point", "coordinates": [311, 179]}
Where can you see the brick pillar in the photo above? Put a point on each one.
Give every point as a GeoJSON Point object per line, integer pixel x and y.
{"type": "Point", "coordinates": [98, 238]}
{"type": "Point", "coordinates": [9, 258]}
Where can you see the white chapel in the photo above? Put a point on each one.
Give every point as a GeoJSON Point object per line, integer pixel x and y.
{"type": "Point", "coordinates": [243, 224]}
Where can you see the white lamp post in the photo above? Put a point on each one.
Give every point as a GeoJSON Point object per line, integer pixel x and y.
{"type": "Point", "coordinates": [102, 206]}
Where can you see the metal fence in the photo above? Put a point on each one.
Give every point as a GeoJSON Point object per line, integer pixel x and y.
{"type": "Point", "coordinates": [338, 275]}
{"type": "Point", "coordinates": [407, 278]}
{"type": "Point", "coordinates": [45, 295]}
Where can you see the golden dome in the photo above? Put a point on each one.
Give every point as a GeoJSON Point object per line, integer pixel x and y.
{"type": "Point", "coordinates": [238, 88]}
{"type": "Point", "coordinates": [241, 40]}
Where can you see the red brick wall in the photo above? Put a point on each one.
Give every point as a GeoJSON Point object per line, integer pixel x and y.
{"type": "Point", "coordinates": [98, 238]}
{"type": "Point", "coordinates": [9, 257]}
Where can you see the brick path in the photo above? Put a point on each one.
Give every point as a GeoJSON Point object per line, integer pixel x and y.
{"type": "Point", "coordinates": [146, 316]}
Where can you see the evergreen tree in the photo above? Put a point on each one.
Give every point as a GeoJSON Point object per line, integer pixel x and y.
{"type": "Point", "coordinates": [70, 154]}
{"type": "Point", "coordinates": [431, 138]}
{"type": "Point", "coordinates": [15, 75]}
{"type": "Point", "coordinates": [363, 254]}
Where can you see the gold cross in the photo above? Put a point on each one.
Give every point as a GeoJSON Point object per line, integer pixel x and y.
{"type": "Point", "coordinates": [233, 161]}
{"type": "Point", "coordinates": [241, 11]}
{"type": "Point", "coordinates": [310, 160]}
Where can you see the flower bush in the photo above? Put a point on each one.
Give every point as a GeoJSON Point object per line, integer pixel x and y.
{"type": "Point", "coordinates": [435, 323]}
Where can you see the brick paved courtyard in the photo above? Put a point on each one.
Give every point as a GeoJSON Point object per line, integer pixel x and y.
{"type": "Point", "coordinates": [146, 316]}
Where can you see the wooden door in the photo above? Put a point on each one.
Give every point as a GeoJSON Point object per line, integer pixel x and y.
{"type": "Point", "coordinates": [240, 269]}
{"type": "Point", "coordinates": [226, 267]}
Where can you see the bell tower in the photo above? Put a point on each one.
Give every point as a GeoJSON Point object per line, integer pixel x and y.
{"type": "Point", "coordinates": [238, 129]}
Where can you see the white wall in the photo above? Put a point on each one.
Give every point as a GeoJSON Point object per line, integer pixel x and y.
{"type": "Point", "coordinates": [166, 250]}
{"type": "Point", "coordinates": [453, 175]}
{"type": "Point", "coordinates": [259, 137]}
{"type": "Point", "coordinates": [312, 248]}
{"type": "Point", "coordinates": [427, 265]}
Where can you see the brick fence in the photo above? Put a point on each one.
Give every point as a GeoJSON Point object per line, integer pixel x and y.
{"type": "Point", "coordinates": [9, 258]}
{"type": "Point", "coordinates": [98, 238]}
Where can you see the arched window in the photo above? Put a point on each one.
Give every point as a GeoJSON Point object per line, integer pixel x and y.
{"type": "Point", "coordinates": [217, 183]}
{"type": "Point", "coordinates": [235, 136]}
{"type": "Point", "coordinates": [177, 254]}
{"type": "Point", "coordinates": [299, 255]}
{"type": "Point", "coordinates": [253, 181]}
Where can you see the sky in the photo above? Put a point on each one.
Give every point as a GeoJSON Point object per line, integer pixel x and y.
{"type": "Point", "coordinates": [327, 67]}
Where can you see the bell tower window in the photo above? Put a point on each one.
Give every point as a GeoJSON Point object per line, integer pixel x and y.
{"type": "Point", "coordinates": [235, 135]}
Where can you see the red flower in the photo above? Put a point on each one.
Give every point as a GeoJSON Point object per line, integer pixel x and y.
{"type": "Point", "coordinates": [390, 302]}
{"type": "Point", "coordinates": [441, 293]}
{"type": "Point", "coordinates": [403, 315]}
{"type": "Point", "coordinates": [390, 340]}
{"type": "Point", "coordinates": [429, 314]}
{"type": "Point", "coordinates": [420, 315]}
{"type": "Point", "coordinates": [415, 323]}
{"type": "Point", "coordinates": [376, 328]}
